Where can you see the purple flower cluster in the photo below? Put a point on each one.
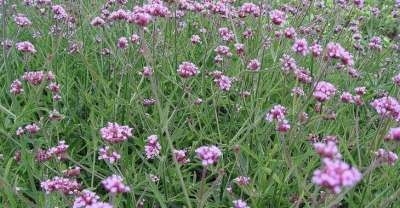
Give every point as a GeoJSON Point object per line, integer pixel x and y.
{"type": "Point", "coordinates": [152, 147]}
{"type": "Point", "coordinates": [114, 184]}
{"type": "Point", "coordinates": [336, 175]}
{"type": "Point", "coordinates": [115, 133]}
{"type": "Point", "coordinates": [323, 91]}
{"type": "Point", "coordinates": [208, 155]}
{"type": "Point", "coordinates": [60, 184]}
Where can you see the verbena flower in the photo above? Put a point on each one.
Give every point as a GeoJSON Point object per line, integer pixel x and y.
{"type": "Point", "coordinates": [114, 184]}
{"type": "Point", "coordinates": [208, 155]}
{"type": "Point", "coordinates": [115, 133]}
{"type": "Point", "coordinates": [336, 175]}
{"type": "Point", "coordinates": [152, 147]}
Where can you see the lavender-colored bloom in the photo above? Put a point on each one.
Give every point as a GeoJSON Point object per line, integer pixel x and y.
{"type": "Point", "coordinates": [336, 175]}
{"type": "Point", "coordinates": [26, 47]}
{"type": "Point", "coordinates": [122, 43]}
{"type": "Point", "coordinates": [180, 156]}
{"type": "Point", "coordinates": [100, 205]}
{"type": "Point", "coordinates": [239, 204]}
{"type": "Point", "coordinates": [60, 184]}
{"type": "Point", "coordinates": [105, 153]}
{"type": "Point", "coordinates": [114, 184]}
{"type": "Point", "coordinates": [22, 21]}
{"type": "Point", "coordinates": [115, 133]}
{"type": "Point", "coordinates": [300, 46]}
{"type": "Point", "coordinates": [327, 150]}
{"type": "Point", "coordinates": [393, 134]}
{"type": "Point", "coordinates": [16, 87]}
{"type": "Point", "coordinates": [386, 156]}
{"type": "Point", "coordinates": [254, 65]}
{"type": "Point", "coordinates": [32, 128]}
{"type": "Point", "coordinates": [85, 199]}
{"type": "Point", "coordinates": [224, 82]}
{"type": "Point", "coordinates": [187, 69]}
{"type": "Point", "coordinates": [278, 17]}
{"type": "Point", "coordinates": [152, 147]}
{"type": "Point", "coordinates": [323, 91]}
{"type": "Point", "coordinates": [387, 107]}
{"type": "Point", "coordinates": [208, 155]}
{"type": "Point", "coordinates": [278, 112]}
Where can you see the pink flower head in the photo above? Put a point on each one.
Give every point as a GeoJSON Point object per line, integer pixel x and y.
{"type": "Point", "coordinates": [336, 175]}
{"type": "Point", "coordinates": [387, 107]}
{"type": "Point", "coordinates": [32, 128]}
{"type": "Point", "coordinates": [354, 73]}
{"type": "Point", "coordinates": [223, 50]}
{"type": "Point", "coordinates": [34, 77]}
{"type": "Point", "coordinates": [346, 97]}
{"type": "Point", "coordinates": [375, 43]}
{"type": "Point", "coordinates": [59, 12]}
{"type": "Point", "coordinates": [278, 17]}
{"type": "Point", "coordinates": [239, 204]}
{"type": "Point", "coordinates": [254, 65]}
{"type": "Point", "coordinates": [16, 87]}
{"type": "Point", "coordinates": [135, 38]}
{"type": "Point", "coordinates": [152, 147]}
{"type": "Point", "coordinates": [115, 133]}
{"type": "Point", "coordinates": [26, 47]}
{"type": "Point", "coordinates": [140, 17]}
{"type": "Point", "coordinates": [249, 8]}
{"type": "Point", "coordinates": [334, 50]}
{"type": "Point", "coordinates": [297, 91]}
{"type": "Point", "coordinates": [360, 90]}
{"type": "Point", "coordinates": [300, 46]}
{"type": "Point", "coordinates": [396, 80]}
{"type": "Point", "coordinates": [59, 151]}
{"type": "Point", "coordinates": [122, 42]}
{"type": "Point", "coordinates": [316, 49]}
{"type": "Point", "coordinates": [278, 112]}
{"type": "Point", "coordinates": [100, 205]}
{"type": "Point", "coordinates": [224, 82]}
{"type": "Point", "coordinates": [288, 63]}
{"type": "Point", "coordinates": [20, 131]}
{"type": "Point", "coordinates": [208, 155]}
{"type": "Point", "coordinates": [327, 150]}
{"type": "Point", "coordinates": [303, 75]}
{"type": "Point", "coordinates": [359, 3]}
{"type": "Point", "coordinates": [248, 33]}
{"type": "Point", "coordinates": [147, 71]}
{"type": "Point", "coordinates": [105, 153]}
{"type": "Point", "coordinates": [242, 180]}
{"type": "Point", "coordinates": [393, 134]}
{"type": "Point", "coordinates": [187, 69]}
{"type": "Point", "coordinates": [157, 9]}
{"type": "Point", "coordinates": [85, 199]}
{"type": "Point", "coordinates": [120, 14]}
{"type": "Point", "coordinates": [386, 156]}
{"type": "Point", "coordinates": [283, 126]}
{"type": "Point", "coordinates": [226, 34]}
{"type": "Point", "coordinates": [54, 87]}
{"type": "Point", "coordinates": [180, 156]}
{"type": "Point", "coordinates": [42, 155]}
{"type": "Point", "coordinates": [239, 48]}
{"type": "Point", "coordinates": [323, 91]}
{"type": "Point", "coordinates": [22, 20]}
{"type": "Point", "coordinates": [114, 184]}
{"type": "Point", "coordinates": [290, 33]}
{"type": "Point", "coordinates": [97, 22]}
{"type": "Point", "coordinates": [195, 39]}
{"type": "Point", "coordinates": [60, 184]}
{"type": "Point", "coordinates": [347, 58]}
